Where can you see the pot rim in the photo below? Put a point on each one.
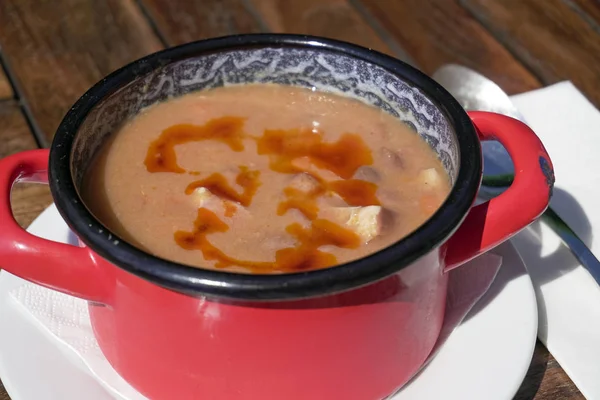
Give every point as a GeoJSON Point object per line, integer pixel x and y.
{"type": "Point", "coordinates": [235, 286]}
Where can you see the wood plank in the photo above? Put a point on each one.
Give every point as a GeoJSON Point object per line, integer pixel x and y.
{"type": "Point", "coordinates": [181, 22]}
{"type": "Point", "coordinates": [28, 200]}
{"type": "Point", "coordinates": [3, 394]}
{"type": "Point", "coordinates": [434, 33]}
{"type": "Point", "coordinates": [335, 19]}
{"type": "Point", "coordinates": [14, 135]}
{"type": "Point", "coordinates": [548, 36]}
{"type": "Point", "coordinates": [590, 8]}
{"type": "Point", "coordinates": [58, 49]}
{"type": "Point", "coordinates": [546, 380]}
{"type": "Point", "coordinates": [556, 384]}
{"type": "Point", "coordinates": [5, 89]}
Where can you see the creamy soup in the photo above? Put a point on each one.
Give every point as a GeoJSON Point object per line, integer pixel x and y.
{"type": "Point", "coordinates": [264, 179]}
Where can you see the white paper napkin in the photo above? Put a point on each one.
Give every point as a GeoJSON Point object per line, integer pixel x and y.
{"type": "Point", "coordinates": [568, 297]}
{"type": "Point", "coordinates": [66, 318]}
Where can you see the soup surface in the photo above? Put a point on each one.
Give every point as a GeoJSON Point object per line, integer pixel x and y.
{"type": "Point", "coordinates": [264, 179]}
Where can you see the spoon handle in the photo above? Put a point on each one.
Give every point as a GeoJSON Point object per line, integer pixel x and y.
{"type": "Point", "coordinates": [569, 238]}
{"type": "Point", "coordinates": [583, 254]}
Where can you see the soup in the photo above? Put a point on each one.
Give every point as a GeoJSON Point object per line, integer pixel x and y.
{"type": "Point", "coordinates": [264, 179]}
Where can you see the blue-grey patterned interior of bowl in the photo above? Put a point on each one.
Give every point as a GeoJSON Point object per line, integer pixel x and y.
{"type": "Point", "coordinates": [331, 72]}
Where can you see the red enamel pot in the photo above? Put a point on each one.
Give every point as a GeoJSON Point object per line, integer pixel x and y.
{"type": "Point", "coordinates": [357, 331]}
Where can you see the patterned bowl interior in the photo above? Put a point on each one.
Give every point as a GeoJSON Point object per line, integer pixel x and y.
{"type": "Point", "coordinates": [320, 69]}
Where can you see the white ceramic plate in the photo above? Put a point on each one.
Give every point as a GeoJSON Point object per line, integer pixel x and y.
{"type": "Point", "coordinates": [486, 357]}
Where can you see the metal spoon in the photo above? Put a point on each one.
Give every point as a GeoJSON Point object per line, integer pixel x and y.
{"type": "Point", "coordinates": [476, 92]}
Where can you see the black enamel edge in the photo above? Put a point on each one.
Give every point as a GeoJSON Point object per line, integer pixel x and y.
{"type": "Point", "coordinates": [226, 285]}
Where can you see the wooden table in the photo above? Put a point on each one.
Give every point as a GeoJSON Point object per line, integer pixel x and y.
{"type": "Point", "coordinates": [53, 50]}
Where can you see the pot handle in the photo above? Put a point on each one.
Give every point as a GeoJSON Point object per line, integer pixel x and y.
{"type": "Point", "coordinates": [490, 223]}
{"type": "Point", "coordinates": [68, 269]}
